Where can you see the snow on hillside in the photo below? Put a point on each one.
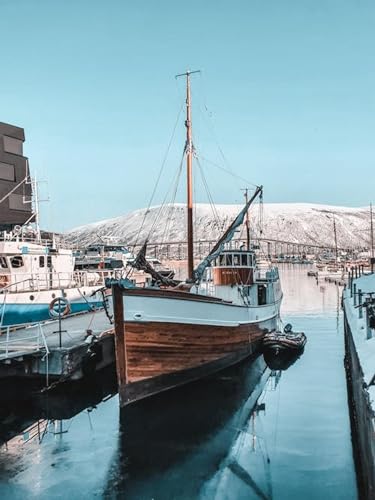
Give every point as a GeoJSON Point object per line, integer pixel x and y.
{"type": "Point", "coordinates": [294, 222]}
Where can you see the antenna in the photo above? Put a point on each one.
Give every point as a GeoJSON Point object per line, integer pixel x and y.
{"type": "Point", "coordinates": [372, 239]}
{"type": "Point", "coordinates": [247, 223]}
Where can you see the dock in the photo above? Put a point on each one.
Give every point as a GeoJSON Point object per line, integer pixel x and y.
{"type": "Point", "coordinates": [359, 324]}
{"type": "Point", "coordinates": [81, 345]}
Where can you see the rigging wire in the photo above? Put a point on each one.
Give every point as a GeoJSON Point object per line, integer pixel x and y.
{"type": "Point", "coordinates": [160, 172]}
{"type": "Point", "coordinates": [211, 124]}
{"type": "Point", "coordinates": [228, 171]}
{"type": "Point", "coordinates": [171, 205]}
{"type": "Point", "coordinates": [210, 198]}
{"type": "Point", "coordinates": [162, 206]}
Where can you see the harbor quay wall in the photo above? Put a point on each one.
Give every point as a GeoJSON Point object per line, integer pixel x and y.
{"type": "Point", "coordinates": [65, 363]}
{"type": "Point", "coordinates": [362, 419]}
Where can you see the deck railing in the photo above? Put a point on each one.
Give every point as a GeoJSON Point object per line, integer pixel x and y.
{"type": "Point", "coordinates": [13, 347]}
{"type": "Point", "coordinates": [36, 282]}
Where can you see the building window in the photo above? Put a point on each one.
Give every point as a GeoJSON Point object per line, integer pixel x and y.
{"type": "Point", "coordinates": [16, 261]}
{"type": "Point", "coordinates": [17, 202]}
{"type": "Point", "coordinates": [7, 172]}
{"type": "Point", "coordinates": [12, 145]}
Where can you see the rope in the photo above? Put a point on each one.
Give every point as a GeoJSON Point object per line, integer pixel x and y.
{"type": "Point", "coordinates": [211, 127]}
{"type": "Point", "coordinates": [162, 206]}
{"type": "Point", "coordinates": [172, 202]}
{"type": "Point", "coordinates": [160, 173]}
{"type": "Point", "coordinates": [228, 171]}
{"type": "Point", "coordinates": [212, 204]}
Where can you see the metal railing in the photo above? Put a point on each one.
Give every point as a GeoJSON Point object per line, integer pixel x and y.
{"type": "Point", "coordinates": [31, 282]}
{"type": "Point", "coordinates": [10, 348]}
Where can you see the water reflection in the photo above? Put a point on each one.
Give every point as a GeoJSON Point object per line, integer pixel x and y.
{"type": "Point", "coordinates": [248, 432]}
{"type": "Point", "coordinates": [283, 360]}
{"type": "Point", "coordinates": [27, 407]}
{"type": "Point", "coordinates": [170, 445]}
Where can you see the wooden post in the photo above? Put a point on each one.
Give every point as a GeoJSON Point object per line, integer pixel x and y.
{"type": "Point", "coordinates": [360, 308]}
{"type": "Point", "coordinates": [120, 340]}
{"type": "Point", "coordinates": [372, 259]}
{"type": "Point", "coordinates": [368, 332]}
{"type": "Point", "coordinates": [354, 294]}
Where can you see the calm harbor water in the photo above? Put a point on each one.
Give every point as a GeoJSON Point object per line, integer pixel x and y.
{"type": "Point", "coordinates": [247, 433]}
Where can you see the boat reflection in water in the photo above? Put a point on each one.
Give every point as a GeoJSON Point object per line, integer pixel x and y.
{"type": "Point", "coordinates": [179, 444]}
{"type": "Point", "coordinates": [282, 360]}
{"type": "Point", "coordinates": [27, 410]}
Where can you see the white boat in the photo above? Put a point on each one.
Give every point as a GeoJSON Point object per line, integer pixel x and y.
{"type": "Point", "coordinates": [34, 273]}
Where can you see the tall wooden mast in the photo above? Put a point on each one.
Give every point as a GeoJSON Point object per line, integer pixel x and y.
{"type": "Point", "coordinates": [189, 167]}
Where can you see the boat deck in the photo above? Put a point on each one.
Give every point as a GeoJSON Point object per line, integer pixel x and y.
{"type": "Point", "coordinates": [35, 351]}
{"type": "Point", "coordinates": [37, 338]}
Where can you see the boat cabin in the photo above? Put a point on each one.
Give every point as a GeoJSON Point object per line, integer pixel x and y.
{"type": "Point", "coordinates": [233, 267]}
{"type": "Point", "coordinates": [25, 266]}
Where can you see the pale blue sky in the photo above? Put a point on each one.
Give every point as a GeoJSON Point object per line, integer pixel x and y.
{"type": "Point", "coordinates": [289, 87]}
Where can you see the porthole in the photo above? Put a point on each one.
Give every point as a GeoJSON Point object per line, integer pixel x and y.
{"type": "Point", "coordinates": [53, 295]}
{"type": "Point", "coordinates": [64, 294]}
{"type": "Point", "coordinates": [32, 297]}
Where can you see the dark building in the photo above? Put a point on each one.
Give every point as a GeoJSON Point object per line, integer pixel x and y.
{"type": "Point", "coordinates": [15, 187]}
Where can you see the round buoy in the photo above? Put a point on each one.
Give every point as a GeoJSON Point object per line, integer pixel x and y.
{"type": "Point", "coordinates": [59, 307]}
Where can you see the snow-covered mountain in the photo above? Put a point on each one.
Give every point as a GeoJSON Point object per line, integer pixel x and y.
{"type": "Point", "coordinates": [294, 222]}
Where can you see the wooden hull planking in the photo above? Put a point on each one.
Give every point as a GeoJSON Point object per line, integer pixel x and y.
{"type": "Point", "coordinates": [153, 356]}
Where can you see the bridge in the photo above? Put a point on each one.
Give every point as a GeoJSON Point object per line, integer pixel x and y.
{"type": "Point", "coordinates": [268, 246]}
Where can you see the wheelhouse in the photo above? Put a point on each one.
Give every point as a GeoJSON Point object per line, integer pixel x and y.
{"type": "Point", "coordinates": [234, 267]}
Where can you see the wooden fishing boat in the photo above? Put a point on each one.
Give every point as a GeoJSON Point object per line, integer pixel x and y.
{"type": "Point", "coordinates": [172, 333]}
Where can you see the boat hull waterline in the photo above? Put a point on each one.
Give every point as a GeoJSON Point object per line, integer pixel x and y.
{"type": "Point", "coordinates": [165, 338]}
{"type": "Point", "coordinates": [31, 307]}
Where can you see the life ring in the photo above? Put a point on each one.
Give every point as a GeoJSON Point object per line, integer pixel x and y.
{"type": "Point", "coordinates": [62, 308]}
{"type": "Point", "coordinates": [4, 280]}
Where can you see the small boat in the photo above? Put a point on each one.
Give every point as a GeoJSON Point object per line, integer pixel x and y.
{"type": "Point", "coordinates": [286, 340]}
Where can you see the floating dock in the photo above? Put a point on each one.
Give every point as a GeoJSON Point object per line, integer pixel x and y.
{"type": "Point", "coordinates": [359, 321]}
{"type": "Point", "coordinates": [81, 345]}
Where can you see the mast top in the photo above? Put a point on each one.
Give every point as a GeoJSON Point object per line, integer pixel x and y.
{"type": "Point", "coordinates": [188, 72]}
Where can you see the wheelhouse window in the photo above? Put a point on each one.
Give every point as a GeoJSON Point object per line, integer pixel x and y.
{"type": "Point", "coordinates": [3, 263]}
{"type": "Point", "coordinates": [49, 261]}
{"type": "Point", "coordinates": [16, 261]}
{"type": "Point", "coordinates": [236, 260]}
{"type": "Point", "coordinates": [41, 261]}
{"type": "Point", "coordinates": [244, 259]}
